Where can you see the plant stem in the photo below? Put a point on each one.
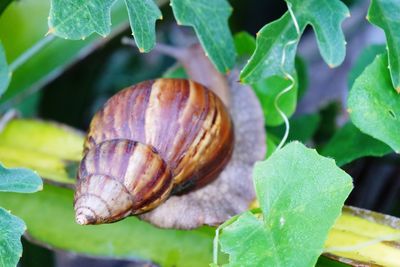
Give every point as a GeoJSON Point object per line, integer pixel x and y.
{"type": "Point", "coordinates": [30, 52]}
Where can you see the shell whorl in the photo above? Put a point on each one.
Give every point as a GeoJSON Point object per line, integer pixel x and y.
{"type": "Point", "coordinates": [163, 136]}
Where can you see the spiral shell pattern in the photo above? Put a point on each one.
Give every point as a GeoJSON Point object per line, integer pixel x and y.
{"type": "Point", "coordinates": [154, 139]}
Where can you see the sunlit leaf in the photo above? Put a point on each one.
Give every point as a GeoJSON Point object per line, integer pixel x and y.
{"type": "Point", "coordinates": [386, 15]}
{"type": "Point", "coordinates": [365, 238]}
{"type": "Point", "coordinates": [210, 21]}
{"type": "Point", "coordinates": [374, 106]}
{"type": "Point", "coordinates": [298, 210]}
{"type": "Point", "coordinates": [19, 180]}
{"type": "Point", "coordinates": [11, 229]}
{"type": "Point", "coordinates": [349, 143]}
{"type": "Point", "coordinates": [49, 216]}
{"type": "Point", "coordinates": [53, 150]}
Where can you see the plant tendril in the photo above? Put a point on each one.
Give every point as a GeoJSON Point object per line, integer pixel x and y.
{"type": "Point", "coordinates": [287, 76]}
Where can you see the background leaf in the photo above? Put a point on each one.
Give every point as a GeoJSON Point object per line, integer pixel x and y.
{"type": "Point", "coordinates": [245, 43]}
{"type": "Point", "coordinates": [365, 58]}
{"type": "Point", "coordinates": [349, 143]}
{"type": "Point", "coordinates": [210, 21]}
{"type": "Point", "coordinates": [19, 180]}
{"type": "Point", "coordinates": [5, 74]}
{"type": "Point", "coordinates": [302, 128]}
{"type": "Point", "coordinates": [142, 16]}
{"type": "Point", "coordinates": [386, 15]}
{"type": "Point", "coordinates": [49, 215]}
{"type": "Point", "coordinates": [298, 210]}
{"type": "Point", "coordinates": [11, 229]}
{"type": "Point", "coordinates": [267, 90]}
{"type": "Point", "coordinates": [374, 106]}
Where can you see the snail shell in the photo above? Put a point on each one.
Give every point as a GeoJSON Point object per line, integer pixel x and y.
{"type": "Point", "coordinates": [154, 139]}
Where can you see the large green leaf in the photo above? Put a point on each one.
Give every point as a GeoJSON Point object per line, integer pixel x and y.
{"type": "Point", "coordinates": [49, 216]}
{"type": "Point", "coordinates": [277, 41]}
{"type": "Point", "coordinates": [386, 15]}
{"type": "Point", "coordinates": [349, 143]}
{"type": "Point", "coordinates": [19, 180]}
{"type": "Point", "coordinates": [53, 150]}
{"type": "Point", "coordinates": [19, 31]}
{"type": "Point", "coordinates": [301, 195]}
{"type": "Point", "coordinates": [210, 21]}
{"type": "Point", "coordinates": [11, 229]}
{"type": "Point", "coordinates": [374, 106]}
{"type": "Point", "coordinates": [5, 74]}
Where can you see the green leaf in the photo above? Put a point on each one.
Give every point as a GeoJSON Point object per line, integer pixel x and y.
{"type": "Point", "coordinates": [245, 43]}
{"type": "Point", "coordinates": [365, 58]}
{"type": "Point", "coordinates": [326, 17]}
{"type": "Point", "coordinates": [270, 47]}
{"type": "Point", "coordinates": [142, 16]}
{"type": "Point", "coordinates": [49, 215]}
{"type": "Point", "coordinates": [349, 143]}
{"type": "Point", "coordinates": [386, 15]}
{"type": "Point", "coordinates": [19, 31]}
{"type": "Point", "coordinates": [19, 180]}
{"type": "Point", "coordinates": [77, 19]}
{"type": "Point", "coordinates": [5, 74]}
{"type": "Point", "coordinates": [267, 90]}
{"type": "Point", "coordinates": [11, 229]}
{"type": "Point", "coordinates": [278, 40]}
{"type": "Point", "coordinates": [374, 106]}
{"type": "Point", "coordinates": [53, 150]}
{"type": "Point", "coordinates": [301, 195]}
{"type": "Point", "coordinates": [210, 21]}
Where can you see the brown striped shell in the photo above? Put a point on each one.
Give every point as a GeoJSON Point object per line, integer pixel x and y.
{"type": "Point", "coordinates": [154, 139]}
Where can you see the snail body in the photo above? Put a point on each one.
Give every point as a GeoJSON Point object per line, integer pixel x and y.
{"type": "Point", "coordinates": [150, 141]}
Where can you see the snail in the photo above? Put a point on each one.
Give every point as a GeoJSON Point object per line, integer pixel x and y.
{"type": "Point", "coordinates": [156, 138]}
{"type": "Point", "coordinates": [172, 151]}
